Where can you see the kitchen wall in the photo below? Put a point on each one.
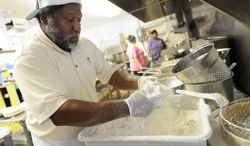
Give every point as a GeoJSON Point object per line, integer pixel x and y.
{"type": "Point", "coordinates": [238, 40]}
{"type": "Point", "coordinates": [165, 29]}
{"type": "Point", "coordinates": [3, 36]}
{"type": "Point", "coordinates": [14, 38]}
{"type": "Point", "coordinates": [125, 24]}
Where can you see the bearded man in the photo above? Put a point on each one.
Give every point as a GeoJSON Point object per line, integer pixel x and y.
{"type": "Point", "coordinates": [57, 72]}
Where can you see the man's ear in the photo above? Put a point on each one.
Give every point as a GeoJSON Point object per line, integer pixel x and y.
{"type": "Point", "coordinates": [44, 19]}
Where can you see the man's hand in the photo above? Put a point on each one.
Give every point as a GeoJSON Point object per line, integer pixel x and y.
{"type": "Point", "coordinates": [143, 101]}
{"type": "Point", "coordinates": [139, 105]}
{"type": "Point", "coordinates": [146, 80]}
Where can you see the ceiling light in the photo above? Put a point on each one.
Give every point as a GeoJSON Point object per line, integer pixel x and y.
{"type": "Point", "coordinates": [101, 8]}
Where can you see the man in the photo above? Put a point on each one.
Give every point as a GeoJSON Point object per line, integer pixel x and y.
{"type": "Point", "coordinates": [56, 73]}
{"type": "Point", "coordinates": [155, 46]}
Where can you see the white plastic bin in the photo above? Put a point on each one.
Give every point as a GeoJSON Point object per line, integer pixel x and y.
{"type": "Point", "coordinates": [90, 139]}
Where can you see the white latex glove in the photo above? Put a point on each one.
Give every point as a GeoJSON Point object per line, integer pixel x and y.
{"type": "Point", "coordinates": [143, 101]}
{"type": "Point", "coordinates": [145, 80]}
{"type": "Point", "coordinates": [139, 105]}
{"type": "Point", "coordinates": [153, 92]}
{"type": "Point", "coordinates": [156, 92]}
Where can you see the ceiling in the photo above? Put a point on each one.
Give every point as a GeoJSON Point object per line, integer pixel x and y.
{"type": "Point", "coordinates": [17, 8]}
{"type": "Point", "coordinates": [20, 8]}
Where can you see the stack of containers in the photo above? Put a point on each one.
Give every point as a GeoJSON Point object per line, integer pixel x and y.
{"type": "Point", "coordinates": [204, 71]}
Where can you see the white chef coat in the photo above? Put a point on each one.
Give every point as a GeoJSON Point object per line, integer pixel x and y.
{"type": "Point", "coordinates": [48, 76]}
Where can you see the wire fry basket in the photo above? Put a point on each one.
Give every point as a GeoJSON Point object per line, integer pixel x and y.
{"type": "Point", "coordinates": [235, 118]}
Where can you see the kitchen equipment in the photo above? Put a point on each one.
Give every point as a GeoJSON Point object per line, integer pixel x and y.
{"type": "Point", "coordinates": [172, 83]}
{"type": "Point", "coordinates": [223, 52]}
{"type": "Point", "coordinates": [180, 53]}
{"type": "Point", "coordinates": [180, 49]}
{"type": "Point", "coordinates": [224, 87]}
{"type": "Point", "coordinates": [231, 67]}
{"type": "Point", "coordinates": [201, 65]}
{"type": "Point", "coordinates": [165, 66]}
{"type": "Point", "coordinates": [113, 48]}
{"type": "Point", "coordinates": [218, 41]}
{"type": "Point", "coordinates": [88, 135]}
{"type": "Point", "coordinates": [217, 97]}
{"type": "Point", "coordinates": [150, 71]}
{"type": "Point", "coordinates": [235, 122]}
{"type": "Point", "coordinates": [119, 58]}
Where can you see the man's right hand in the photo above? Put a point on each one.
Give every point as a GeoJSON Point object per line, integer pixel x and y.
{"type": "Point", "coordinates": [146, 80]}
{"type": "Point", "coordinates": [141, 103]}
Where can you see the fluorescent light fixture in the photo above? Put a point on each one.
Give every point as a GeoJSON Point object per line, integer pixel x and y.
{"type": "Point", "coordinates": [100, 8]}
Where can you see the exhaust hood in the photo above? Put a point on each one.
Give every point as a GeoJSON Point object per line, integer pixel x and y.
{"type": "Point", "coordinates": [147, 10]}
{"type": "Point", "coordinates": [239, 9]}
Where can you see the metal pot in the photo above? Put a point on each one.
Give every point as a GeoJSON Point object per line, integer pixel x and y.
{"type": "Point", "coordinates": [225, 87]}
{"type": "Point", "coordinates": [180, 53]}
{"type": "Point", "coordinates": [180, 49]}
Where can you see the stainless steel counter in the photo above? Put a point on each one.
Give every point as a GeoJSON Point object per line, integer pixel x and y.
{"type": "Point", "coordinates": [216, 139]}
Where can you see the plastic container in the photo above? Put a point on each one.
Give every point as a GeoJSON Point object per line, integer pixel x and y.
{"type": "Point", "coordinates": [164, 140]}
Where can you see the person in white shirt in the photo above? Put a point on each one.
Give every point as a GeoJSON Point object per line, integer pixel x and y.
{"type": "Point", "coordinates": [56, 73]}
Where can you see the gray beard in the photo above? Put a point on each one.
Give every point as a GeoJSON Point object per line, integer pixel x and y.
{"type": "Point", "coordinates": [57, 37]}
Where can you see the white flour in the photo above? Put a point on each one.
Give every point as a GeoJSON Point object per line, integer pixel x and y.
{"type": "Point", "coordinates": [163, 121]}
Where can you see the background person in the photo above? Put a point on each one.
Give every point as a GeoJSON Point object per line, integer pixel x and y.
{"type": "Point", "coordinates": [136, 56]}
{"type": "Point", "coordinates": [155, 46]}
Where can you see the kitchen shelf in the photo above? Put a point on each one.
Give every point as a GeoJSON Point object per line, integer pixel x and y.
{"type": "Point", "coordinates": [5, 84]}
{"type": "Point", "coordinates": [7, 51]}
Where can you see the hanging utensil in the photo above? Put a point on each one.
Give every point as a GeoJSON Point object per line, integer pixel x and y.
{"type": "Point", "coordinates": [232, 66]}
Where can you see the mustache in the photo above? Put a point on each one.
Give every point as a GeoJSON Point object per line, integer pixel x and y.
{"type": "Point", "coordinates": [73, 35]}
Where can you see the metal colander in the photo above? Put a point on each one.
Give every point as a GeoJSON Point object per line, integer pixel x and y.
{"type": "Point", "coordinates": [218, 71]}
{"type": "Point", "coordinates": [235, 118]}
{"type": "Point", "coordinates": [201, 66]}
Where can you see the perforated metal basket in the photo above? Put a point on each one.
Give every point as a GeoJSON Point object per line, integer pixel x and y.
{"type": "Point", "coordinates": [235, 122]}
{"type": "Point", "coordinates": [202, 65]}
